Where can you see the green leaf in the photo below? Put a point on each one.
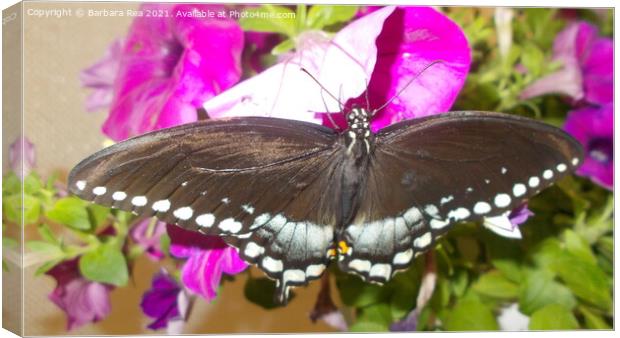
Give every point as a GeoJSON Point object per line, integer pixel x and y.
{"type": "Point", "coordinates": [46, 233]}
{"type": "Point", "coordinates": [378, 316]}
{"type": "Point", "coordinates": [164, 243]}
{"type": "Point", "coordinates": [11, 185]}
{"type": "Point", "coordinates": [593, 320]}
{"type": "Point", "coordinates": [539, 290]}
{"type": "Point", "coordinates": [45, 267]}
{"type": "Point", "coordinates": [12, 208]}
{"type": "Point", "coordinates": [362, 326]}
{"type": "Point", "coordinates": [44, 247]}
{"type": "Point", "coordinates": [260, 291]}
{"type": "Point", "coordinates": [355, 292]}
{"type": "Point", "coordinates": [553, 317]}
{"type": "Point", "coordinates": [283, 47]}
{"type": "Point", "coordinates": [494, 284]}
{"type": "Point", "coordinates": [587, 281]}
{"type": "Point", "coordinates": [320, 16]}
{"type": "Point", "coordinates": [106, 264]}
{"type": "Point", "coordinates": [279, 20]}
{"type": "Point", "coordinates": [470, 315]}
{"type": "Point", "coordinates": [70, 211]}
{"type": "Point", "coordinates": [32, 183]}
{"type": "Point", "coordinates": [97, 215]}
{"type": "Point", "coordinates": [8, 242]}
{"type": "Point", "coordinates": [32, 209]}
{"type": "Point", "coordinates": [578, 246]}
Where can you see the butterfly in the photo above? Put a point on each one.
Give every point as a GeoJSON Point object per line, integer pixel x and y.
{"type": "Point", "coordinates": [293, 196]}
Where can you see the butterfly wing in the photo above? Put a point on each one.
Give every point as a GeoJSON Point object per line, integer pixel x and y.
{"type": "Point", "coordinates": [264, 184]}
{"type": "Point", "coordinates": [427, 174]}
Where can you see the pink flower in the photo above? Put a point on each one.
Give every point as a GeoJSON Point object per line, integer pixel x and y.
{"type": "Point", "coordinates": [148, 236]}
{"type": "Point", "coordinates": [587, 72]}
{"type": "Point", "coordinates": [384, 49]}
{"type": "Point", "coordinates": [593, 128]}
{"type": "Point", "coordinates": [22, 156]}
{"type": "Point", "coordinates": [83, 301]}
{"type": "Point", "coordinates": [208, 257]}
{"type": "Point", "coordinates": [168, 67]}
{"type": "Point", "coordinates": [100, 77]}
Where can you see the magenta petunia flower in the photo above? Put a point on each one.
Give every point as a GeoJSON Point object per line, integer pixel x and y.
{"type": "Point", "coordinates": [208, 257]}
{"type": "Point", "coordinates": [587, 72]}
{"type": "Point", "coordinates": [83, 301]}
{"type": "Point", "coordinates": [22, 156]}
{"type": "Point", "coordinates": [148, 236]}
{"type": "Point", "coordinates": [169, 66]}
{"type": "Point", "coordinates": [379, 52]}
{"type": "Point", "coordinates": [165, 302]}
{"type": "Point", "coordinates": [593, 128]}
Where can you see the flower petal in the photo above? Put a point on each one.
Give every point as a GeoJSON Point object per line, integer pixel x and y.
{"type": "Point", "coordinates": [412, 39]}
{"type": "Point", "coordinates": [342, 65]}
{"type": "Point", "coordinates": [502, 226]}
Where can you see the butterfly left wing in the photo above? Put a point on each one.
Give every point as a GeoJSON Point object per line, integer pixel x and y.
{"type": "Point", "coordinates": [427, 174]}
{"type": "Point", "coordinates": [266, 185]}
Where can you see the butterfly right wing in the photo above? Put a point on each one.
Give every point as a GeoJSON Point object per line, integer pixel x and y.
{"type": "Point", "coordinates": [267, 185]}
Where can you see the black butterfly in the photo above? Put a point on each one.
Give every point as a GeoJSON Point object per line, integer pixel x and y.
{"type": "Point", "coordinates": [292, 196]}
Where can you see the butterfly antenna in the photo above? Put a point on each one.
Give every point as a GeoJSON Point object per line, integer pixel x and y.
{"type": "Point", "coordinates": [367, 96]}
{"type": "Point", "coordinates": [405, 86]}
{"type": "Point", "coordinates": [329, 115]}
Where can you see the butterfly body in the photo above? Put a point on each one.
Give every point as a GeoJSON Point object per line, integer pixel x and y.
{"type": "Point", "coordinates": [293, 196]}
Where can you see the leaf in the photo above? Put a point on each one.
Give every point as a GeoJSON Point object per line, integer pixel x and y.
{"type": "Point", "coordinates": [320, 16]}
{"type": "Point", "coordinates": [494, 284]}
{"type": "Point", "coordinates": [593, 320]}
{"type": "Point", "coordinates": [32, 209]}
{"type": "Point", "coordinates": [106, 264]}
{"type": "Point", "coordinates": [97, 215]}
{"type": "Point", "coordinates": [587, 281]}
{"type": "Point", "coordinates": [378, 316]}
{"type": "Point", "coordinates": [362, 326]}
{"type": "Point", "coordinates": [71, 212]}
{"type": "Point", "coordinates": [12, 208]}
{"type": "Point", "coordinates": [11, 185]}
{"type": "Point", "coordinates": [539, 290]}
{"type": "Point", "coordinates": [283, 47]}
{"type": "Point", "coordinates": [32, 183]}
{"type": "Point", "coordinates": [553, 317]}
{"type": "Point", "coordinates": [8, 242]}
{"type": "Point", "coordinates": [354, 292]}
{"type": "Point", "coordinates": [45, 267]}
{"type": "Point", "coordinates": [470, 315]}
{"type": "Point", "coordinates": [49, 249]}
{"type": "Point", "coordinates": [578, 246]}
{"type": "Point", "coordinates": [260, 291]}
{"type": "Point", "coordinates": [46, 233]}
{"type": "Point", "coordinates": [279, 20]}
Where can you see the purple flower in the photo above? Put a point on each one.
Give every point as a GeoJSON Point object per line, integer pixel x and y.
{"type": "Point", "coordinates": [587, 72]}
{"type": "Point", "coordinates": [507, 225]}
{"type": "Point", "coordinates": [166, 302]}
{"type": "Point", "coordinates": [168, 66]}
{"type": "Point", "coordinates": [100, 77]}
{"type": "Point", "coordinates": [83, 301]}
{"type": "Point", "coordinates": [384, 49]}
{"type": "Point", "coordinates": [22, 156]}
{"type": "Point", "coordinates": [593, 128]}
{"type": "Point", "coordinates": [208, 257]}
{"type": "Point", "coordinates": [147, 234]}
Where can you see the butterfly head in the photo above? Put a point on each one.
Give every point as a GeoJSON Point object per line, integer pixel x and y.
{"type": "Point", "coordinates": [358, 121]}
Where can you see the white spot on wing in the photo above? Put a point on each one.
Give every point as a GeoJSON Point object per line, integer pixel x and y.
{"type": "Point", "coordinates": [119, 195]}
{"type": "Point", "coordinates": [482, 208]}
{"type": "Point", "coordinates": [431, 210]}
{"type": "Point", "coordinates": [445, 200]}
{"type": "Point", "coordinates": [412, 215]}
{"type": "Point", "coordinates": [230, 225]}
{"type": "Point", "coordinates": [502, 200]}
{"type": "Point", "coordinates": [561, 167]}
{"type": "Point", "coordinates": [225, 200]}
{"type": "Point", "coordinates": [504, 170]}
{"type": "Point", "coordinates": [184, 184]}
{"type": "Point", "coordinates": [80, 185]}
{"type": "Point", "coordinates": [248, 208]}
{"type": "Point", "coordinates": [99, 191]}
{"type": "Point", "coordinates": [139, 201]}
{"type": "Point", "coordinates": [253, 250]}
{"type": "Point", "coordinates": [294, 275]}
{"type": "Point", "coordinates": [459, 214]}
{"type": "Point", "coordinates": [519, 190]}
{"type": "Point", "coordinates": [423, 241]}
{"type": "Point", "coordinates": [272, 265]}
{"type": "Point", "coordinates": [403, 258]}
{"type": "Point", "coordinates": [161, 205]}
{"type": "Point", "coordinates": [438, 224]}
{"type": "Point", "coordinates": [183, 213]}
{"type": "Point", "coordinates": [360, 265]}
{"type": "Point", "coordinates": [381, 270]}
{"type": "Point", "coordinates": [260, 221]}
{"type": "Point", "coordinates": [575, 161]}
{"type": "Point", "coordinates": [315, 270]}
{"type": "Point", "coordinates": [533, 181]}
{"type": "Point", "coordinates": [205, 220]}
{"type": "Point", "coordinates": [547, 174]}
